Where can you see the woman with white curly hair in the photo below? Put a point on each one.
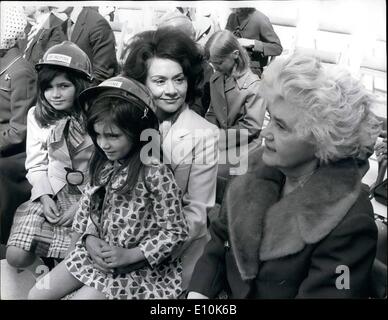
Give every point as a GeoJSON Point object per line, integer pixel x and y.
{"type": "Point", "coordinates": [299, 224]}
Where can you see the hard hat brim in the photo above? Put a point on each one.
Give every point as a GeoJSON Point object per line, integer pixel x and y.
{"type": "Point", "coordinates": [135, 90]}
{"type": "Point", "coordinates": [89, 95]}
{"type": "Point", "coordinates": [65, 67]}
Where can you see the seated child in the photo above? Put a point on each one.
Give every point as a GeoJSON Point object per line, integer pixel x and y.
{"type": "Point", "coordinates": [131, 212]}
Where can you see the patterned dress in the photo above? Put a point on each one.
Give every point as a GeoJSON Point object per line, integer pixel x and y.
{"type": "Point", "coordinates": [149, 217]}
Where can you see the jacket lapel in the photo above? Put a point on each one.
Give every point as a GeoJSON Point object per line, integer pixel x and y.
{"type": "Point", "coordinates": [79, 26]}
{"type": "Point", "coordinates": [218, 97]}
{"type": "Point", "coordinates": [218, 83]}
{"type": "Point", "coordinates": [173, 155]}
{"type": "Point", "coordinates": [57, 140]}
{"type": "Point", "coordinates": [230, 84]}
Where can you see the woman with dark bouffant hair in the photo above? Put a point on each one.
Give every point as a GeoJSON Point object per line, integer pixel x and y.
{"type": "Point", "coordinates": [169, 63]}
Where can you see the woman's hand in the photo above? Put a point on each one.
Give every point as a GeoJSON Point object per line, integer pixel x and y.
{"type": "Point", "coordinates": [196, 295]}
{"type": "Point", "coordinates": [50, 209]}
{"type": "Point", "coordinates": [66, 219]}
{"type": "Point", "coordinates": [93, 246]}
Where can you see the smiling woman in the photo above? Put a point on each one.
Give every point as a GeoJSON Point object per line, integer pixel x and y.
{"type": "Point", "coordinates": [169, 63]}
{"type": "Point", "coordinates": [168, 85]}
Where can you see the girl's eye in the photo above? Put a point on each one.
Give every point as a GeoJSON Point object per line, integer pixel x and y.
{"type": "Point", "coordinates": [113, 136]}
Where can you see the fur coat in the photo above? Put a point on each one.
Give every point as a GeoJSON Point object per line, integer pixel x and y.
{"type": "Point", "coordinates": [319, 241]}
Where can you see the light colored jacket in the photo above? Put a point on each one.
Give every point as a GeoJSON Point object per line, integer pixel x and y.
{"type": "Point", "coordinates": [48, 155]}
{"type": "Point", "coordinates": [191, 148]}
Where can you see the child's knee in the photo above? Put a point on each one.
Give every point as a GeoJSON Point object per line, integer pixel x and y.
{"type": "Point", "coordinates": [34, 294]}
{"type": "Point", "coordinates": [19, 258]}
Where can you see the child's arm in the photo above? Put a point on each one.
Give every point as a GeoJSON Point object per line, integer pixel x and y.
{"type": "Point", "coordinates": [50, 209]}
{"type": "Point", "coordinates": [80, 217]}
{"type": "Point", "coordinates": [171, 223]}
{"type": "Point", "coordinates": [94, 246]}
{"type": "Point", "coordinates": [250, 123]}
{"type": "Point", "coordinates": [37, 157]}
{"type": "Point", "coordinates": [173, 229]}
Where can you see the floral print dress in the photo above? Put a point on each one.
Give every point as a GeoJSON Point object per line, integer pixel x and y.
{"type": "Point", "coordinates": [149, 216]}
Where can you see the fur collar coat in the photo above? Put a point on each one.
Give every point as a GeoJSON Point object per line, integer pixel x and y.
{"type": "Point", "coordinates": [267, 246]}
{"type": "Point", "coordinates": [284, 227]}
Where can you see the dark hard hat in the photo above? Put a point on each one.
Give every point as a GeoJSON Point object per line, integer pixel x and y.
{"type": "Point", "coordinates": [120, 87]}
{"type": "Point", "coordinates": [67, 55]}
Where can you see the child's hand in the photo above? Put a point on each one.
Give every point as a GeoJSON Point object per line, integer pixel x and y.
{"type": "Point", "coordinates": [50, 209]}
{"type": "Point", "coordinates": [93, 246]}
{"type": "Point", "coordinates": [116, 257]}
{"type": "Point", "coordinates": [67, 218]}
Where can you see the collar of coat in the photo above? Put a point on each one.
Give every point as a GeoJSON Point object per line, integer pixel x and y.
{"type": "Point", "coordinates": [9, 56]}
{"type": "Point", "coordinates": [112, 173]}
{"type": "Point", "coordinates": [74, 128]}
{"type": "Point", "coordinates": [262, 227]}
{"type": "Point", "coordinates": [243, 81]}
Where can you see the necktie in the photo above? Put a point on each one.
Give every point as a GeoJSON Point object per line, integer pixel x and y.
{"type": "Point", "coordinates": [69, 28]}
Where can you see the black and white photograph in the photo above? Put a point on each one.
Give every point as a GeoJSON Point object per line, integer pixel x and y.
{"type": "Point", "coordinates": [205, 152]}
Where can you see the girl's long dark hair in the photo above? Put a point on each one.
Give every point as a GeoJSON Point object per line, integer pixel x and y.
{"type": "Point", "coordinates": [128, 116]}
{"type": "Point", "coordinates": [47, 115]}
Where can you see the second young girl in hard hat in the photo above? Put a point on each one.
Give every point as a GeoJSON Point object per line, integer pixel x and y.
{"type": "Point", "coordinates": [58, 151]}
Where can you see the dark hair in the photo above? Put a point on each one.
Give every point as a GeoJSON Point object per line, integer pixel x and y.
{"type": "Point", "coordinates": [128, 116]}
{"type": "Point", "coordinates": [170, 44]}
{"type": "Point", "coordinates": [47, 115]}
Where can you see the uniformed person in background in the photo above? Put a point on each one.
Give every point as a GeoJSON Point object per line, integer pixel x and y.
{"type": "Point", "coordinates": [17, 95]}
